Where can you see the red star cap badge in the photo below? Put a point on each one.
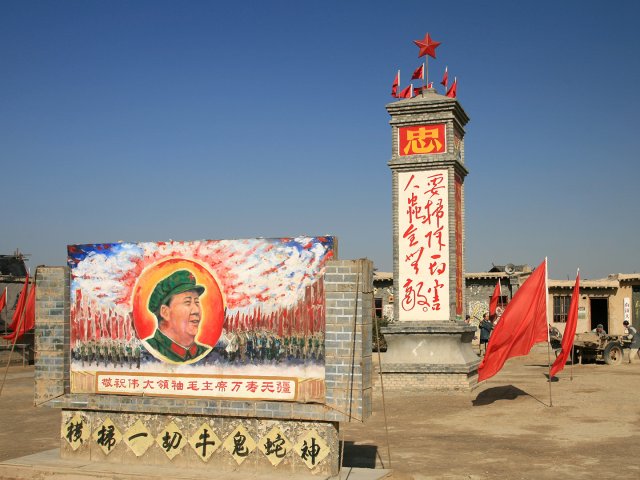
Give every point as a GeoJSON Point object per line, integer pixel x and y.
{"type": "Point", "coordinates": [427, 46]}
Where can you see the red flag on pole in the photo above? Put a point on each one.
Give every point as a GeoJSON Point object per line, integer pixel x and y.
{"type": "Point", "coordinates": [407, 92]}
{"type": "Point", "coordinates": [29, 320]}
{"type": "Point", "coordinates": [522, 325]}
{"type": "Point", "coordinates": [30, 311]}
{"type": "Point", "coordinates": [569, 330]}
{"type": "Point", "coordinates": [493, 303]}
{"type": "Point", "coordinates": [445, 78]}
{"type": "Point", "coordinates": [22, 300]}
{"type": "Point", "coordinates": [453, 91]}
{"type": "Point", "coordinates": [394, 87]}
{"type": "Point", "coordinates": [3, 299]}
{"type": "Point", "coordinates": [418, 73]}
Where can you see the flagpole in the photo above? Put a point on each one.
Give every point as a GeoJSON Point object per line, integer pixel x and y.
{"type": "Point", "coordinates": [425, 75]}
{"type": "Point", "coordinates": [426, 69]}
{"type": "Point", "coordinates": [546, 314]}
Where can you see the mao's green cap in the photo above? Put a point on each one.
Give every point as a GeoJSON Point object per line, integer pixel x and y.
{"type": "Point", "coordinates": [178, 282]}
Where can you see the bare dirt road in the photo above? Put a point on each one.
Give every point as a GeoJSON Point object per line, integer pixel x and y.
{"type": "Point", "coordinates": [503, 429]}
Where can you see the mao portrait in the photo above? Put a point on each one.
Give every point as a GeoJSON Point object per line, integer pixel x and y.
{"type": "Point", "coordinates": [175, 302]}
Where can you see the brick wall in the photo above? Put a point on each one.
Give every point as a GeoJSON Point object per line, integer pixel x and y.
{"type": "Point", "coordinates": [348, 286]}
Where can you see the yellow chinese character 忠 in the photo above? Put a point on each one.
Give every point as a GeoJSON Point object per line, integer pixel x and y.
{"type": "Point", "coordinates": [423, 140]}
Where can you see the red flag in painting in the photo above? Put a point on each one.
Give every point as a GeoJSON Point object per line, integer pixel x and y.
{"type": "Point", "coordinates": [569, 330]}
{"type": "Point", "coordinates": [394, 87]}
{"type": "Point", "coordinates": [493, 303]}
{"type": "Point", "coordinates": [3, 299]}
{"type": "Point", "coordinates": [418, 73]}
{"type": "Point", "coordinates": [453, 91]}
{"type": "Point", "coordinates": [522, 325]}
{"type": "Point", "coordinates": [407, 92]}
{"type": "Point", "coordinates": [445, 78]}
{"type": "Point", "coordinates": [22, 300]}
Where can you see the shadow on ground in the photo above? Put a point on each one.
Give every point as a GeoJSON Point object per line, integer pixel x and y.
{"type": "Point", "coordinates": [359, 456]}
{"type": "Point", "coordinates": [490, 395]}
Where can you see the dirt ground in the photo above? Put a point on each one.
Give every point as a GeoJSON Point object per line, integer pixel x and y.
{"type": "Point", "coordinates": [502, 429]}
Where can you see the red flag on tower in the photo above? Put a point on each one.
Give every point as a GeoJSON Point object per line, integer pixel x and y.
{"type": "Point", "coordinates": [394, 87]}
{"type": "Point", "coordinates": [418, 73]}
{"type": "Point", "coordinates": [522, 325]}
{"type": "Point", "coordinates": [452, 92]}
{"type": "Point", "coordinates": [407, 92]}
{"type": "Point", "coordinates": [569, 330]}
{"type": "Point", "coordinates": [445, 78]}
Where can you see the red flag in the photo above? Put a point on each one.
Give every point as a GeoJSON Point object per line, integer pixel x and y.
{"type": "Point", "coordinates": [493, 303]}
{"type": "Point", "coordinates": [430, 85]}
{"type": "Point", "coordinates": [453, 91]}
{"type": "Point", "coordinates": [22, 300]}
{"type": "Point", "coordinates": [3, 299]}
{"type": "Point", "coordinates": [394, 87]}
{"type": "Point", "coordinates": [418, 73]}
{"type": "Point", "coordinates": [445, 78]}
{"type": "Point", "coordinates": [407, 92]}
{"type": "Point", "coordinates": [29, 320]}
{"type": "Point", "coordinates": [569, 330]}
{"type": "Point", "coordinates": [418, 91]}
{"type": "Point", "coordinates": [522, 325]}
{"type": "Point", "coordinates": [30, 311]}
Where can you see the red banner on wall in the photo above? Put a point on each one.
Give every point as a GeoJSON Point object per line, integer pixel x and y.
{"type": "Point", "coordinates": [422, 139]}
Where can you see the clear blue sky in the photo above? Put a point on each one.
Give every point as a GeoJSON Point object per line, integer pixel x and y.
{"type": "Point", "coordinates": [155, 120]}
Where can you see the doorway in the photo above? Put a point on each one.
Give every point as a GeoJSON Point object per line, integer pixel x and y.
{"type": "Point", "coordinates": [599, 313]}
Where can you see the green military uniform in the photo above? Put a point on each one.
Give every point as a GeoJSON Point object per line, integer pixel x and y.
{"type": "Point", "coordinates": [178, 282]}
{"type": "Point", "coordinates": [172, 351]}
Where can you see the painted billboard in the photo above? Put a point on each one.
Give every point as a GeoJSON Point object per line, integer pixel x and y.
{"type": "Point", "coordinates": [230, 319]}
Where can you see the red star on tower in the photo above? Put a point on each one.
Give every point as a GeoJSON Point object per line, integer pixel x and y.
{"type": "Point", "coordinates": [427, 46]}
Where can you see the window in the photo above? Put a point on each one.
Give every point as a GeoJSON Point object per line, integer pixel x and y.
{"type": "Point", "coordinates": [561, 308]}
{"type": "Point", "coordinates": [378, 307]}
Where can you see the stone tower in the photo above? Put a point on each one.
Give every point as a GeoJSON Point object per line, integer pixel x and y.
{"type": "Point", "coordinates": [429, 345]}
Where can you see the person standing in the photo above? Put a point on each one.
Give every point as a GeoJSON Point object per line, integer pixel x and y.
{"type": "Point", "coordinates": [635, 341]}
{"type": "Point", "coordinates": [486, 326]}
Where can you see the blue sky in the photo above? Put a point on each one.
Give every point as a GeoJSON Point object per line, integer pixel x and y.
{"type": "Point", "coordinates": [152, 120]}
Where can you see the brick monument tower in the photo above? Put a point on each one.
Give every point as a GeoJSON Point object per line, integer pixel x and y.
{"type": "Point", "coordinates": [429, 345]}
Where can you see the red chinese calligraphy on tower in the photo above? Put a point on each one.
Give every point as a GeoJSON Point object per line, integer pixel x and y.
{"type": "Point", "coordinates": [423, 245]}
{"type": "Point", "coordinates": [422, 139]}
